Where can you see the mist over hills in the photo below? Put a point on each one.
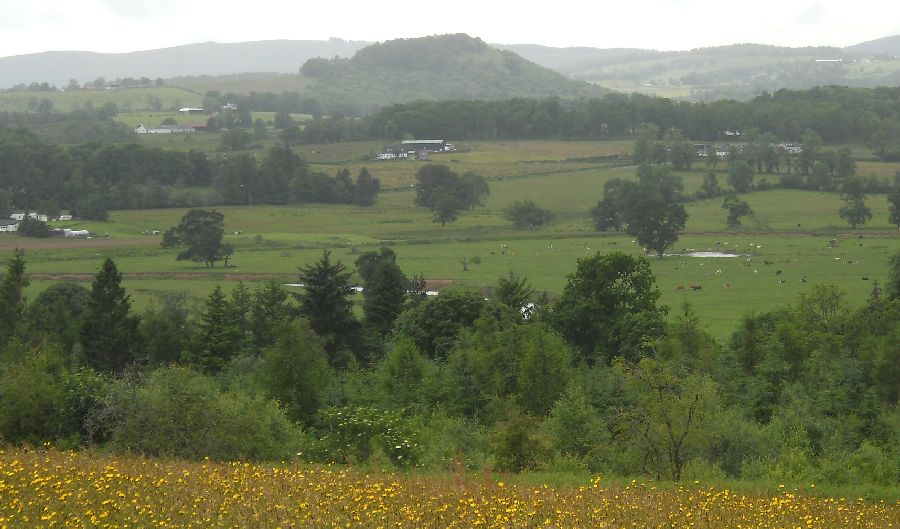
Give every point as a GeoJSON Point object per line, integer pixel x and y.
{"type": "Point", "coordinates": [208, 58]}
{"type": "Point", "coordinates": [359, 76]}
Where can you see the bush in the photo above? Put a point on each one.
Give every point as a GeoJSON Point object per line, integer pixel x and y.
{"type": "Point", "coordinates": [177, 412]}
{"type": "Point", "coordinates": [43, 400]}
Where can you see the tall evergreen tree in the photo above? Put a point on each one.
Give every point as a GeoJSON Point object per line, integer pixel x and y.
{"type": "Point", "coordinates": [325, 302]}
{"type": "Point", "coordinates": [110, 332]}
{"type": "Point", "coordinates": [218, 336]}
{"type": "Point", "coordinates": [270, 309]}
{"type": "Point", "coordinates": [12, 296]}
{"type": "Point", "coordinates": [384, 295]}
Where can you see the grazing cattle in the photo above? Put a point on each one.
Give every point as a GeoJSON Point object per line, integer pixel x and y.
{"type": "Point", "coordinates": [865, 279]}
{"type": "Point", "coordinates": [696, 287]}
{"type": "Point", "coordinates": [778, 273]}
{"type": "Point", "coordinates": [782, 281]}
{"type": "Point", "coordinates": [803, 279]}
{"type": "Point", "coordinates": [679, 287]}
{"type": "Point", "coordinates": [727, 285]}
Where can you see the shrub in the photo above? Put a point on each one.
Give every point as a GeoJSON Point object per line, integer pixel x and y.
{"type": "Point", "coordinates": [177, 412]}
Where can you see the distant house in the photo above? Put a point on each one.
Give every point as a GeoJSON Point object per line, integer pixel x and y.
{"type": "Point", "coordinates": [190, 110]}
{"type": "Point", "coordinates": [64, 217]}
{"type": "Point", "coordinates": [8, 225]}
{"type": "Point", "coordinates": [17, 216]}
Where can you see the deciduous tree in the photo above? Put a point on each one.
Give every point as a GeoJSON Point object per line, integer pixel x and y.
{"type": "Point", "coordinates": [201, 232]}
{"type": "Point", "coordinates": [609, 308]}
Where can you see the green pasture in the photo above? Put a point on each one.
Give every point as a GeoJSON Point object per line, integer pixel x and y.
{"type": "Point", "coordinates": [731, 287]}
{"type": "Point", "coordinates": [279, 239]}
{"type": "Point", "coordinates": [126, 99]}
{"type": "Point", "coordinates": [243, 83]}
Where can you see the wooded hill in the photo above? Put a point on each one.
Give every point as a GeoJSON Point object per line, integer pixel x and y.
{"type": "Point", "coordinates": [739, 71]}
{"type": "Point", "coordinates": [434, 68]}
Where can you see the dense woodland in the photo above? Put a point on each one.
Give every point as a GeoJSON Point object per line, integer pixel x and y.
{"type": "Point", "coordinates": [595, 380]}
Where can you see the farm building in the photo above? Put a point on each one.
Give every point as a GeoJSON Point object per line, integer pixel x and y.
{"type": "Point", "coordinates": [190, 110]}
{"type": "Point", "coordinates": [9, 225]}
{"type": "Point", "coordinates": [427, 145]}
{"type": "Point", "coordinates": [166, 129]}
{"type": "Point", "coordinates": [17, 216]}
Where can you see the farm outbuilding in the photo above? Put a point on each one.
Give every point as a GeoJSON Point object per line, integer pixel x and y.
{"type": "Point", "coordinates": [9, 225]}
{"type": "Point", "coordinates": [427, 145]}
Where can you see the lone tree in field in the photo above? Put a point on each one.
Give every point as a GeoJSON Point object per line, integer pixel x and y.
{"type": "Point", "coordinates": [526, 214]}
{"type": "Point", "coordinates": [648, 209]}
{"type": "Point", "coordinates": [736, 208]}
{"type": "Point", "coordinates": [854, 211]}
{"type": "Point", "coordinates": [200, 232]}
{"type": "Point", "coordinates": [445, 193]}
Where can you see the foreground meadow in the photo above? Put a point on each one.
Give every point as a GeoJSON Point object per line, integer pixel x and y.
{"type": "Point", "coordinates": [45, 489]}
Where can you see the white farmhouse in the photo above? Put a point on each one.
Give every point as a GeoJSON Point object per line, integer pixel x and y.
{"type": "Point", "coordinates": [9, 225]}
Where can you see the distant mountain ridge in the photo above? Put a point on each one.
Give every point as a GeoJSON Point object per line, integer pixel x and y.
{"type": "Point", "coordinates": [391, 71]}
{"type": "Point", "coordinates": [209, 58]}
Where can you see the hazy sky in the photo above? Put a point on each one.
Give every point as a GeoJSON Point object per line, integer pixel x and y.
{"type": "Point", "coordinates": [28, 26]}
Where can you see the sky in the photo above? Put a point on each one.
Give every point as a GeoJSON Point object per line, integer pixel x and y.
{"type": "Point", "coordinates": [113, 26]}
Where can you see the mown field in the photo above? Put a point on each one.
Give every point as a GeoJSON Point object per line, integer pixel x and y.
{"type": "Point", "coordinates": [47, 489]}
{"type": "Point", "coordinates": [792, 232]}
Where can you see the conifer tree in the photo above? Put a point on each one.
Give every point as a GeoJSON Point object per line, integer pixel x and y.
{"type": "Point", "coordinates": [12, 297]}
{"type": "Point", "coordinates": [218, 337]}
{"type": "Point", "coordinates": [110, 332]}
{"type": "Point", "coordinates": [325, 302]}
{"type": "Point", "coordinates": [384, 296]}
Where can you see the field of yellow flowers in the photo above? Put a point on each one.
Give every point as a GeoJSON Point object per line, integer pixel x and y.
{"type": "Point", "coordinates": [48, 488]}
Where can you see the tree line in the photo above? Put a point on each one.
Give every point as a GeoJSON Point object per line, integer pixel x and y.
{"type": "Point", "coordinates": [91, 179]}
{"type": "Point", "coordinates": [595, 380]}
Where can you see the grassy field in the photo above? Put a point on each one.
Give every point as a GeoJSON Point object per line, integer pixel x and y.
{"type": "Point", "coordinates": [127, 99]}
{"type": "Point", "coordinates": [243, 83]}
{"type": "Point", "coordinates": [792, 230]}
{"type": "Point", "coordinates": [47, 488]}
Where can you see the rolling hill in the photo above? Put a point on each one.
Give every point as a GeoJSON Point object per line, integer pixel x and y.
{"type": "Point", "coordinates": [435, 68]}
{"type": "Point", "coordinates": [458, 66]}
{"type": "Point", "coordinates": [737, 71]}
